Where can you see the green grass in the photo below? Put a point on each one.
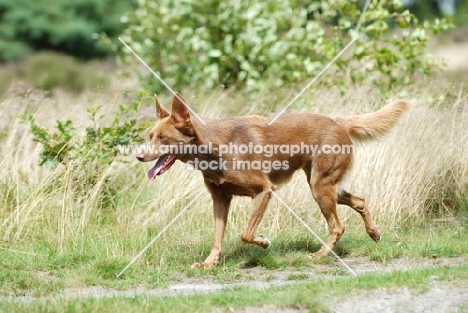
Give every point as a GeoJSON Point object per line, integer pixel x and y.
{"type": "Point", "coordinates": [39, 269]}
{"type": "Point", "coordinates": [311, 295]}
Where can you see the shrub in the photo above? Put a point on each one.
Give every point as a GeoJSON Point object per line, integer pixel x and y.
{"type": "Point", "coordinates": [97, 144]}
{"type": "Point", "coordinates": [87, 156]}
{"type": "Point", "coordinates": [230, 42]}
{"type": "Point", "coordinates": [61, 25]}
{"type": "Point", "coordinates": [432, 9]}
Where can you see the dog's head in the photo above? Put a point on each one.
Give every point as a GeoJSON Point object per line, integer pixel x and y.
{"type": "Point", "coordinates": [171, 129]}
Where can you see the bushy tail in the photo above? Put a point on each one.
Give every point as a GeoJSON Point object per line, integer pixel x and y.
{"type": "Point", "coordinates": [374, 125]}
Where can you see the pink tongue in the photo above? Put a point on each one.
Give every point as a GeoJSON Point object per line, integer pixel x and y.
{"type": "Point", "coordinates": [154, 171]}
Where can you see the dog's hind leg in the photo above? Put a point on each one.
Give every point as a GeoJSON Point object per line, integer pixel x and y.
{"type": "Point", "coordinates": [324, 192]}
{"type": "Point", "coordinates": [259, 206]}
{"type": "Point", "coordinates": [358, 204]}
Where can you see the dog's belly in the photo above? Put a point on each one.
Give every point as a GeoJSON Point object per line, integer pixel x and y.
{"type": "Point", "coordinates": [241, 190]}
{"type": "Point", "coordinates": [249, 182]}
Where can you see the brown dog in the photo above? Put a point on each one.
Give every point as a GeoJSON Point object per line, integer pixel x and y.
{"type": "Point", "coordinates": [246, 156]}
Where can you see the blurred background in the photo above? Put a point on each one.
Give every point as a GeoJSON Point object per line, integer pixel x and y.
{"type": "Point", "coordinates": [73, 45]}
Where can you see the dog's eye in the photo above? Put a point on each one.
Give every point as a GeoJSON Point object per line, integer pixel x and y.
{"type": "Point", "coordinates": [161, 137]}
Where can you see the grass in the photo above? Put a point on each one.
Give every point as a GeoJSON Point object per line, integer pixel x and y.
{"type": "Point", "coordinates": [49, 71]}
{"type": "Point", "coordinates": [311, 295]}
{"type": "Point", "coordinates": [39, 268]}
{"type": "Point", "coordinates": [53, 237]}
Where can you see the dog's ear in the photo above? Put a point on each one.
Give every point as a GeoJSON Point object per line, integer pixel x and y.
{"type": "Point", "coordinates": [180, 113]}
{"type": "Point", "coordinates": [161, 112]}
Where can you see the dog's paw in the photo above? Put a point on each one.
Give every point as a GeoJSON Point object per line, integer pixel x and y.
{"type": "Point", "coordinates": [318, 254]}
{"type": "Point", "coordinates": [264, 242]}
{"type": "Point", "coordinates": [374, 234]}
{"type": "Point", "coordinates": [203, 265]}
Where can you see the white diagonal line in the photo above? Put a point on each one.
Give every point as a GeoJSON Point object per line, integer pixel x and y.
{"type": "Point", "coordinates": [159, 234]}
{"type": "Point", "coordinates": [313, 233]}
{"type": "Point", "coordinates": [361, 18]}
{"type": "Point", "coordinates": [312, 81]}
{"type": "Point", "coordinates": [161, 80]}
{"type": "Point", "coordinates": [358, 26]}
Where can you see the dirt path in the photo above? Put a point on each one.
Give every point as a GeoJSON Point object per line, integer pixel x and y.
{"type": "Point", "coordinates": [453, 49]}
{"type": "Point", "coordinates": [439, 298]}
{"type": "Point", "coordinates": [455, 55]}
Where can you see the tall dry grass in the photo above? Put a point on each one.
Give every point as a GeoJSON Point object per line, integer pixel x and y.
{"type": "Point", "coordinates": [417, 173]}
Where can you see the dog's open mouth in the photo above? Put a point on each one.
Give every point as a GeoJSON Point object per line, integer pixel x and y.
{"type": "Point", "coordinates": [162, 165]}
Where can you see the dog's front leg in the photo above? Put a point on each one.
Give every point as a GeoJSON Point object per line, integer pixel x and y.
{"type": "Point", "coordinates": [221, 203]}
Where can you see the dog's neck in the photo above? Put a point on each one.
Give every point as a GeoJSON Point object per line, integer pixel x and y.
{"type": "Point", "coordinates": [208, 135]}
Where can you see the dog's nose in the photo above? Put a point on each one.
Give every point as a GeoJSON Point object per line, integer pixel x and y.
{"type": "Point", "coordinates": [140, 157]}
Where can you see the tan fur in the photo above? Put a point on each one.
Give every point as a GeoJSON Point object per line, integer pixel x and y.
{"type": "Point", "coordinates": [324, 171]}
{"type": "Point", "coordinates": [374, 125]}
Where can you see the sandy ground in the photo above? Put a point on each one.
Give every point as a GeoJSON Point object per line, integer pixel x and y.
{"type": "Point", "coordinates": [454, 50]}
{"type": "Point", "coordinates": [439, 298]}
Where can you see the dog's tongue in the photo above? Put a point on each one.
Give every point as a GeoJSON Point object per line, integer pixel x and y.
{"type": "Point", "coordinates": [158, 167]}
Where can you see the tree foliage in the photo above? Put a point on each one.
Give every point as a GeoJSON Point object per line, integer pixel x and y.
{"type": "Point", "coordinates": [432, 9]}
{"type": "Point", "coordinates": [66, 26]}
{"type": "Point", "coordinates": [231, 42]}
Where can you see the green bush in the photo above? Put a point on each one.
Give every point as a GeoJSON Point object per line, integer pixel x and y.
{"type": "Point", "coordinates": [96, 147]}
{"type": "Point", "coordinates": [429, 9]}
{"type": "Point", "coordinates": [71, 27]}
{"type": "Point", "coordinates": [460, 17]}
{"type": "Point", "coordinates": [231, 42]}
{"type": "Point", "coordinates": [87, 157]}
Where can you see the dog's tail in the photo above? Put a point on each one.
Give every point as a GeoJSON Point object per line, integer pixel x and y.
{"type": "Point", "coordinates": [374, 125]}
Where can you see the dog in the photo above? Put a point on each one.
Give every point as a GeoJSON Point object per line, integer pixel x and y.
{"type": "Point", "coordinates": [226, 178]}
